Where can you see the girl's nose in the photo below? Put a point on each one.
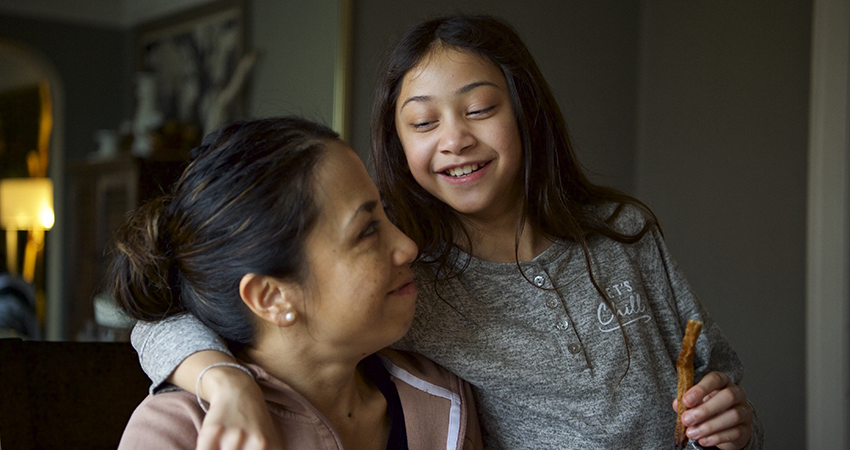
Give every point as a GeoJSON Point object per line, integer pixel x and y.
{"type": "Point", "coordinates": [455, 137]}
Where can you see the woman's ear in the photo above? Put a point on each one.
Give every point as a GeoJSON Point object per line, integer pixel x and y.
{"type": "Point", "coordinates": [269, 298]}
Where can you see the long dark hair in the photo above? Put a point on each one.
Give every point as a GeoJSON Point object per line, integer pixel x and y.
{"type": "Point", "coordinates": [558, 197]}
{"type": "Point", "coordinates": [559, 200]}
{"type": "Point", "coordinates": [243, 205]}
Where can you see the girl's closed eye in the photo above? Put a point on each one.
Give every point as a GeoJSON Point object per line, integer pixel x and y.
{"type": "Point", "coordinates": [479, 112]}
{"type": "Point", "coordinates": [423, 125]}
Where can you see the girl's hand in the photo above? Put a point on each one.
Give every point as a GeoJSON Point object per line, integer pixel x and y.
{"type": "Point", "coordinates": [238, 417]}
{"type": "Point", "coordinates": [718, 413]}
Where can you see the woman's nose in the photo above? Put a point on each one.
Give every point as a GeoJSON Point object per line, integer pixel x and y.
{"type": "Point", "coordinates": [405, 250]}
{"type": "Point", "coordinates": [455, 137]}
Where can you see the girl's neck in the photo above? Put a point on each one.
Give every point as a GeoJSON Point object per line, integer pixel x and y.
{"type": "Point", "coordinates": [337, 389]}
{"type": "Point", "coordinates": [495, 240]}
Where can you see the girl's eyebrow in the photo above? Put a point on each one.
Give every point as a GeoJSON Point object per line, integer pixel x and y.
{"type": "Point", "coordinates": [462, 90]}
{"type": "Point", "coordinates": [469, 87]}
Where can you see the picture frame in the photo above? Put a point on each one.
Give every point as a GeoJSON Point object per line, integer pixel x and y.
{"type": "Point", "coordinates": [192, 56]}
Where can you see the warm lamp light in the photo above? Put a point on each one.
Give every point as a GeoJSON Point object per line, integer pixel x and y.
{"type": "Point", "coordinates": [26, 203]}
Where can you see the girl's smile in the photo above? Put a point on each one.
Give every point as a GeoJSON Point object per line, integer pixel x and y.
{"type": "Point", "coordinates": [455, 120]}
{"type": "Point", "coordinates": [465, 173]}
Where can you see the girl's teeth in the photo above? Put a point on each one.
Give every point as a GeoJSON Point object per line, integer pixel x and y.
{"type": "Point", "coordinates": [459, 171]}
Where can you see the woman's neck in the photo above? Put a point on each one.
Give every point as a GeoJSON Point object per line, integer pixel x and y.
{"type": "Point", "coordinates": [337, 389]}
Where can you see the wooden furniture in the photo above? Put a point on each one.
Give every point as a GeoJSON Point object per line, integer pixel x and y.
{"type": "Point", "coordinates": [101, 193]}
{"type": "Point", "coordinates": [67, 395]}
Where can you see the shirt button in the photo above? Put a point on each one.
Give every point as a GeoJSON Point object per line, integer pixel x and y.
{"type": "Point", "coordinates": [552, 303]}
{"type": "Point", "coordinates": [563, 325]}
{"type": "Point", "coordinates": [539, 280]}
{"type": "Point", "coordinates": [574, 348]}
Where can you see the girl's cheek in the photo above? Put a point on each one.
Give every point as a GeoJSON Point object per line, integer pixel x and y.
{"type": "Point", "coordinates": [412, 153]}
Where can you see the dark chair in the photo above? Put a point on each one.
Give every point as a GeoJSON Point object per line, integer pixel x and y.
{"type": "Point", "coordinates": [67, 395]}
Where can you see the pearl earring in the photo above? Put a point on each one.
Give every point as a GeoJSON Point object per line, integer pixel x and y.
{"type": "Point", "coordinates": [289, 317]}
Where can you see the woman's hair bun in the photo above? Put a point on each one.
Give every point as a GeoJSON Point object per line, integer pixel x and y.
{"type": "Point", "coordinates": [143, 264]}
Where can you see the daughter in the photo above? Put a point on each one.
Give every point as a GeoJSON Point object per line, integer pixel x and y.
{"type": "Point", "coordinates": [555, 298]}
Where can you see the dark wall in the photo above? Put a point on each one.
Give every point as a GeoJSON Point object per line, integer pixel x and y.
{"type": "Point", "coordinates": [700, 109]}
{"type": "Point", "coordinates": [722, 157]}
{"type": "Point", "coordinates": [93, 64]}
{"type": "Point", "coordinates": [587, 50]}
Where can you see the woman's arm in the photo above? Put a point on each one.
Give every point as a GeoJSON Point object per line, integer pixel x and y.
{"type": "Point", "coordinates": [177, 350]}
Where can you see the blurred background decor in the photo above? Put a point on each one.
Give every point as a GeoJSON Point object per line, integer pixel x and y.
{"type": "Point", "coordinates": [729, 118]}
{"type": "Point", "coordinates": [189, 76]}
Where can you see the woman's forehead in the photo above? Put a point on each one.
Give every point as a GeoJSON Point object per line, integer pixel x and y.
{"type": "Point", "coordinates": [342, 182]}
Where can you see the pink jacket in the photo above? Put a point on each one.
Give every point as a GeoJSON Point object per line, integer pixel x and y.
{"type": "Point", "coordinates": [439, 412]}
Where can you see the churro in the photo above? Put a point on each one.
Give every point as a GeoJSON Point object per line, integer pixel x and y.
{"type": "Point", "coordinates": [685, 372]}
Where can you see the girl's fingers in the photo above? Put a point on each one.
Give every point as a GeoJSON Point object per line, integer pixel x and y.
{"type": "Point", "coordinates": [215, 437]}
{"type": "Point", "coordinates": [208, 438]}
{"type": "Point", "coordinates": [729, 439]}
{"type": "Point", "coordinates": [717, 403]}
{"type": "Point", "coordinates": [256, 443]}
{"type": "Point", "coordinates": [731, 418]}
{"type": "Point", "coordinates": [719, 414]}
{"type": "Point", "coordinates": [713, 381]}
{"type": "Point", "coordinates": [232, 440]}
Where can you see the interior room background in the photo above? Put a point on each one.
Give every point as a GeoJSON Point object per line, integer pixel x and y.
{"type": "Point", "coordinates": [699, 108]}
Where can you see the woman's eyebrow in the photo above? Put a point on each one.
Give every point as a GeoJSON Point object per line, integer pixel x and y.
{"type": "Point", "coordinates": [367, 207]}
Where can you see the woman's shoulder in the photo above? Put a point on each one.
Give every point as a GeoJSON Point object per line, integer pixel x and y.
{"type": "Point", "coordinates": [169, 419]}
{"type": "Point", "coordinates": [414, 369]}
{"type": "Point", "coordinates": [439, 409]}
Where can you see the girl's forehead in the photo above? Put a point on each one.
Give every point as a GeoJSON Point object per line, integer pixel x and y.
{"type": "Point", "coordinates": [445, 65]}
{"type": "Point", "coordinates": [440, 54]}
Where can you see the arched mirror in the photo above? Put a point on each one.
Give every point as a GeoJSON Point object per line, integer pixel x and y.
{"type": "Point", "coordinates": [28, 173]}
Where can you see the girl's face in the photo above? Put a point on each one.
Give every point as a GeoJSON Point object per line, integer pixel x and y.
{"type": "Point", "coordinates": [455, 121]}
{"type": "Point", "coordinates": [361, 296]}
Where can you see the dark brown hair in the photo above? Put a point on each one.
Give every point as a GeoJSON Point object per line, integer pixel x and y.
{"type": "Point", "coordinates": [558, 196]}
{"type": "Point", "coordinates": [559, 200]}
{"type": "Point", "coordinates": [243, 205]}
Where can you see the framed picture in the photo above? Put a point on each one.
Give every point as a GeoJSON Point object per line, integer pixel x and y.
{"type": "Point", "coordinates": [189, 61]}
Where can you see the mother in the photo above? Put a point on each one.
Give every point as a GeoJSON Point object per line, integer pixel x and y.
{"type": "Point", "coordinates": [275, 238]}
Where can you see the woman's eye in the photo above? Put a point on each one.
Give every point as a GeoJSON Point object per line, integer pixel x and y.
{"type": "Point", "coordinates": [370, 229]}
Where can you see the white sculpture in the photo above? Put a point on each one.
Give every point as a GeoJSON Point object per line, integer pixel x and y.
{"type": "Point", "coordinates": [147, 118]}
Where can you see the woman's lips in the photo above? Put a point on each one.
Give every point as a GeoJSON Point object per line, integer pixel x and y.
{"type": "Point", "coordinates": [405, 289]}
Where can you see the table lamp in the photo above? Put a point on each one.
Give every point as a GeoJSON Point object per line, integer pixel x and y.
{"type": "Point", "coordinates": [25, 204]}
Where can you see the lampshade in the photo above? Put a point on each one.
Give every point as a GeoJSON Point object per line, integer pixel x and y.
{"type": "Point", "coordinates": [26, 203]}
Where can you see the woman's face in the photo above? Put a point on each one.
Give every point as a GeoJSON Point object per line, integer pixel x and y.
{"type": "Point", "coordinates": [360, 294]}
{"type": "Point", "coordinates": [456, 123]}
